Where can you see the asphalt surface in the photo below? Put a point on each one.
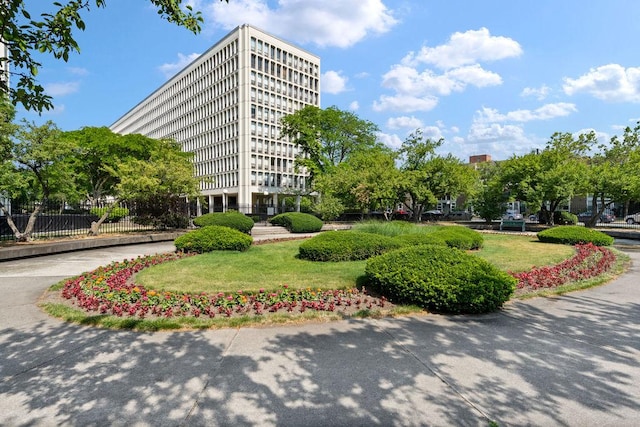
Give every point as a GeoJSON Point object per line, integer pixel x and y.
{"type": "Point", "coordinates": [563, 361]}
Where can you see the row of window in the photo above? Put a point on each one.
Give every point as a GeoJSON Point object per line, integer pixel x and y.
{"type": "Point", "coordinates": [282, 56]}
{"type": "Point", "coordinates": [267, 179]}
{"type": "Point", "coordinates": [282, 73]}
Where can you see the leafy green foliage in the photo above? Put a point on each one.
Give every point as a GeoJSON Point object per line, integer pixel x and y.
{"type": "Point", "coordinates": [116, 214]}
{"type": "Point", "coordinates": [573, 235]}
{"type": "Point", "coordinates": [440, 279]}
{"type": "Point", "coordinates": [428, 177]}
{"type": "Point", "coordinates": [213, 238]}
{"type": "Point", "coordinates": [564, 218]}
{"type": "Point", "coordinates": [460, 237]}
{"type": "Point", "coordinates": [297, 222]}
{"type": "Point", "coordinates": [231, 219]}
{"type": "Point", "coordinates": [327, 137]}
{"type": "Point", "coordinates": [421, 239]}
{"type": "Point", "coordinates": [345, 246]}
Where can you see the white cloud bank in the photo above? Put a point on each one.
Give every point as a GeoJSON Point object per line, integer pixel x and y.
{"type": "Point", "coordinates": [611, 82]}
{"type": "Point", "coordinates": [458, 66]}
{"type": "Point", "coordinates": [324, 23]}
{"type": "Point", "coordinates": [171, 68]}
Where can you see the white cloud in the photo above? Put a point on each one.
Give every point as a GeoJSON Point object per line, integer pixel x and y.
{"type": "Point", "coordinates": [78, 71]}
{"type": "Point", "coordinates": [611, 82]}
{"type": "Point", "coordinates": [354, 106]}
{"type": "Point", "coordinates": [466, 48]}
{"type": "Point", "coordinates": [546, 112]}
{"type": "Point", "coordinates": [405, 103]}
{"type": "Point", "coordinates": [418, 89]}
{"type": "Point", "coordinates": [404, 122]}
{"type": "Point", "coordinates": [333, 82]}
{"type": "Point", "coordinates": [539, 93]}
{"type": "Point", "coordinates": [171, 68]}
{"type": "Point", "coordinates": [323, 23]}
{"type": "Point", "coordinates": [390, 140]}
{"type": "Point", "coordinates": [61, 89]}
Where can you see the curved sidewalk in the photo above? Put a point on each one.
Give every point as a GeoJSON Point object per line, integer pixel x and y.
{"type": "Point", "coordinates": [571, 360]}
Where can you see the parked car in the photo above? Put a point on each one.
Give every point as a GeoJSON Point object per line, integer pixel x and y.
{"type": "Point", "coordinates": [432, 215]}
{"type": "Point", "coordinates": [605, 217]}
{"type": "Point", "coordinates": [512, 215]}
{"type": "Point", "coordinates": [632, 219]}
{"type": "Point", "coordinates": [458, 216]}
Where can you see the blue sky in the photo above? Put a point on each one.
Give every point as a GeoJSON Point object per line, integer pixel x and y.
{"type": "Point", "coordinates": [490, 77]}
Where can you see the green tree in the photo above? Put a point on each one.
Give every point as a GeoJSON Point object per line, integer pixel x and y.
{"type": "Point", "coordinates": [326, 137]}
{"type": "Point", "coordinates": [368, 180]}
{"type": "Point", "coordinates": [489, 201]}
{"type": "Point", "coordinates": [37, 169]}
{"type": "Point", "coordinates": [52, 33]}
{"type": "Point", "coordinates": [614, 173]}
{"type": "Point", "coordinates": [550, 178]}
{"type": "Point", "coordinates": [162, 178]}
{"type": "Point", "coordinates": [428, 177]}
{"type": "Point", "coordinates": [98, 151]}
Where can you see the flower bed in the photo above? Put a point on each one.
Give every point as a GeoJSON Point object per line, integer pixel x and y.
{"type": "Point", "coordinates": [110, 290]}
{"type": "Point", "coordinates": [589, 261]}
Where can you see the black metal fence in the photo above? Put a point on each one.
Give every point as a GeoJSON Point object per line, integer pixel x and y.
{"type": "Point", "coordinates": [60, 219]}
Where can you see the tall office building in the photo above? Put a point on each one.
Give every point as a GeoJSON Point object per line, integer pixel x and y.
{"type": "Point", "coordinates": [225, 107]}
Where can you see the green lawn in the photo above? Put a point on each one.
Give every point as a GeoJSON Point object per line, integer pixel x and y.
{"type": "Point", "coordinates": [272, 265]}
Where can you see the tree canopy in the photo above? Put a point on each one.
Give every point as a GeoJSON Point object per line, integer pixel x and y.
{"type": "Point", "coordinates": [327, 137]}
{"type": "Point", "coordinates": [26, 33]}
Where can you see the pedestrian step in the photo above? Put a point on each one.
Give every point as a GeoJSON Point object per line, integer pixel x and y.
{"type": "Point", "coordinates": [261, 230]}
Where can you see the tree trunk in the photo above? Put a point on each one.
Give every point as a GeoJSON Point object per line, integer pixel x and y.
{"type": "Point", "coordinates": [95, 226]}
{"type": "Point", "coordinates": [12, 225]}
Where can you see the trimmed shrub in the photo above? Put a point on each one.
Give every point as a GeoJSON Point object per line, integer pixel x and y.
{"type": "Point", "coordinates": [440, 279]}
{"type": "Point", "coordinates": [115, 215]}
{"type": "Point", "coordinates": [420, 239]}
{"type": "Point", "coordinates": [564, 218]}
{"type": "Point", "coordinates": [298, 222]}
{"type": "Point", "coordinates": [390, 228]}
{"type": "Point", "coordinates": [574, 234]}
{"type": "Point", "coordinates": [345, 246]}
{"type": "Point", "coordinates": [231, 219]}
{"type": "Point", "coordinates": [460, 237]}
{"type": "Point", "coordinates": [213, 238]}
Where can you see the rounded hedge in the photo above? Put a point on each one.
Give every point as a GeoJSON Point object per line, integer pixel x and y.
{"type": "Point", "coordinates": [573, 235]}
{"type": "Point", "coordinates": [297, 222]}
{"type": "Point", "coordinates": [346, 246]}
{"type": "Point", "coordinates": [420, 239]}
{"type": "Point", "coordinates": [232, 219]}
{"type": "Point", "coordinates": [213, 238]}
{"type": "Point", "coordinates": [460, 237]}
{"type": "Point", "coordinates": [440, 279]}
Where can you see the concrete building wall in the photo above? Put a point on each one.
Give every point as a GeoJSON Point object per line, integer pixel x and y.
{"type": "Point", "coordinates": [225, 107]}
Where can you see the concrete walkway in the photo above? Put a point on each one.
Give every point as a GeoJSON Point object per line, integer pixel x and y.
{"type": "Point", "coordinates": [565, 361]}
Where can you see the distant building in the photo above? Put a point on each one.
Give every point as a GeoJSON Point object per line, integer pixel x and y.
{"type": "Point", "coordinates": [225, 107]}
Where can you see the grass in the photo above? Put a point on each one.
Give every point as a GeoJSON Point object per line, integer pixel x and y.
{"type": "Point", "coordinates": [263, 266]}
{"type": "Point", "coordinates": [272, 265]}
{"type": "Point", "coordinates": [521, 253]}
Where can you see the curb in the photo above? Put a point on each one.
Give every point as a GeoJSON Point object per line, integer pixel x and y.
{"type": "Point", "coordinates": [40, 249]}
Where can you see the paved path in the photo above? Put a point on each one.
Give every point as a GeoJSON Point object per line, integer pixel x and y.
{"type": "Point", "coordinates": [566, 361]}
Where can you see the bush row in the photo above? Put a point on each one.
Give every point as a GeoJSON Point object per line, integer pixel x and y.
{"type": "Point", "coordinates": [440, 279]}
{"type": "Point", "coordinates": [213, 238]}
{"type": "Point", "coordinates": [346, 246]}
{"type": "Point", "coordinates": [573, 235]}
{"type": "Point", "coordinates": [298, 222]}
{"type": "Point", "coordinates": [232, 219]}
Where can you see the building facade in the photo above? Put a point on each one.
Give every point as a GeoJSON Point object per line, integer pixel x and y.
{"type": "Point", "coordinates": [4, 67]}
{"type": "Point", "coordinates": [225, 108]}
